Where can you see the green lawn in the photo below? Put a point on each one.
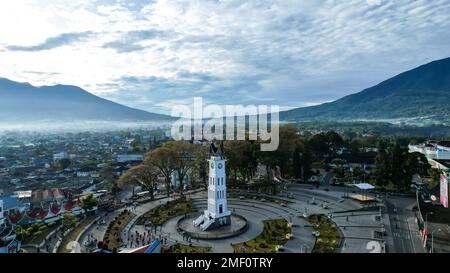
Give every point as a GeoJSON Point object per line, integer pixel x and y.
{"type": "Point", "coordinates": [275, 234]}
{"type": "Point", "coordinates": [37, 237]}
{"type": "Point", "coordinates": [330, 237]}
{"type": "Point", "coordinates": [161, 214]}
{"type": "Point", "coordinates": [276, 201]}
{"type": "Point", "coordinates": [72, 236]}
{"type": "Point", "coordinates": [180, 248]}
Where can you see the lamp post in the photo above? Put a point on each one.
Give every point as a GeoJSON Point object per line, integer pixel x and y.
{"type": "Point", "coordinates": [432, 239]}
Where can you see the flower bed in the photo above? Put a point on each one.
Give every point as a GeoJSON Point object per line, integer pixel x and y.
{"type": "Point", "coordinates": [275, 234]}
{"type": "Point", "coordinates": [112, 239]}
{"type": "Point", "coordinates": [161, 214]}
{"type": "Point", "coordinates": [329, 239]}
{"type": "Point", "coordinates": [36, 233]}
{"type": "Point", "coordinates": [180, 248]}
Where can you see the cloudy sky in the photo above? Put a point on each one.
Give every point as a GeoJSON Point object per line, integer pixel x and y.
{"type": "Point", "coordinates": [154, 54]}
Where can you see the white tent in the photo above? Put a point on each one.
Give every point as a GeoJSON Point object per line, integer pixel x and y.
{"type": "Point", "coordinates": [364, 186]}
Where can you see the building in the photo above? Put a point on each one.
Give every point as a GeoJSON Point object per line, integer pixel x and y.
{"type": "Point", "coordinates": [217, 213]}
{"type": "Point", "coordinates": [59, 156]}
{"type": "Point", "coordinates": [438, 155]}
{"type": "Point", "coordinates": [8, 238]}
{"type": "Point", "coordinates": [46, 196]}
{"type": "Point", "coordinates": [130, 158]}
{"type": "Point", "coordinates": [432, 150]}
{"type": "Point", "coordinates": [444, 182]}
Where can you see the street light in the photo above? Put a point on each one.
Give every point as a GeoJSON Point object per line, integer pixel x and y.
{"type": "Point", "coordinates": [432, 239]}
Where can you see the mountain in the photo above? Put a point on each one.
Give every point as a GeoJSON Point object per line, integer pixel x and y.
{"type": "Point", "coordinates": [22, 102]}
{"type": "Point", "coordinates": [422, 93]}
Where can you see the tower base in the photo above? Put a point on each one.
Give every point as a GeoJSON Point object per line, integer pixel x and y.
{"type": "Point", "coordinates": [206, 222]}
{"type": "Point", "coordinates": [220, 222]}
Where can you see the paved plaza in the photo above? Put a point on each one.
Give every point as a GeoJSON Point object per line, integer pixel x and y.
{"type": "Point", "coordinates": [364, 229]}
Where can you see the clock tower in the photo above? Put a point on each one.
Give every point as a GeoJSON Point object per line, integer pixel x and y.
{"type": "Point", "coordinates": [217, 213]}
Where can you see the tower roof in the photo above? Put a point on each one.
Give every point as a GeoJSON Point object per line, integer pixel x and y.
{"type": "Point", "coordinates": [216, 151]}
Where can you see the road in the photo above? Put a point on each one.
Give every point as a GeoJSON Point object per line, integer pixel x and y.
{"type": "Point", "coordinates": [404, 232]}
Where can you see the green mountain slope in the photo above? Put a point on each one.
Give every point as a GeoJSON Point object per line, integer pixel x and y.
{"type": "Point", "coordinates": [421, 93]}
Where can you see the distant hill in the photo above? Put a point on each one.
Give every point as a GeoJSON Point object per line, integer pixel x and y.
{"type": "Point", "coordinates": [422, 93]}
{"type": "Point", "coordinates": [22, 102]}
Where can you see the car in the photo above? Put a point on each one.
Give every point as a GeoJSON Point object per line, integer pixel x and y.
{"type": "Point", "coordinates": [316, 233]}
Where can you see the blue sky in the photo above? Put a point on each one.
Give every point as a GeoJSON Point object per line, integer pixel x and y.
{"type": "Point", "coordinates": [155, 54]}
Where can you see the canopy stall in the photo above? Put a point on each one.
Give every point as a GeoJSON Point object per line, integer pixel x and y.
{"type": "Point", "coordinates": [363, 188]}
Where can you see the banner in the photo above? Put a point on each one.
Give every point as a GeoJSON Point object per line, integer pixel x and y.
{"type": "Point", "coordinates": [425, 237]}
{"type": "Point", "coordinates": [444, 191]}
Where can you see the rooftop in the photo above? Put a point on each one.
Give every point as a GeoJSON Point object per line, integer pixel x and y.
{"type": "Point", "coordinates": [444, 162]}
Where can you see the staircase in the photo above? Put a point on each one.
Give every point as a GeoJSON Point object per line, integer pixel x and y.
{"type": "Point", "coordinates": [206, 224]}
{"type": "Point", "coordinates": [198, 221]}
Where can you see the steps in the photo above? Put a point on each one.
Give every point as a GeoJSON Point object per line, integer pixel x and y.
{"type": "Point", "coordinates": [198, 221]}
{"type": "Point", "coordinates": [207, 224]}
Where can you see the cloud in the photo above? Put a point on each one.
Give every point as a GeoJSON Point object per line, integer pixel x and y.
{"type": "Point", "coordinates": [374, 2]}
{"type": "Point", "coordinates": [133, 40]}
{"type": "Point", "coordinates": [149, 54]}
{"type": "Point", "coordinates": [54, 42]}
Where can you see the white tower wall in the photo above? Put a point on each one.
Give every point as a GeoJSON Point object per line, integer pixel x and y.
{"type": "Point", "coordinates": [217, 189]}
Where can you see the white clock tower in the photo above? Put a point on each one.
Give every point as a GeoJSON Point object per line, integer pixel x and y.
{"type": "Point", "coordinates": [217, 213]}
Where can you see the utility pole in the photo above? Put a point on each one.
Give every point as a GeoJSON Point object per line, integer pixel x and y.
{"type": "Point", "coordinates": [432, 239]}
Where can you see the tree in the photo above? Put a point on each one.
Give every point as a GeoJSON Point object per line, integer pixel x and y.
{"type": "Point", "coordinates": [306, 161]}
{"type": "Point", "coordinates": [289, 138]}
{"type": "Point", "coordinates": [200, 164]}
{"type": "Point", "coordinates": [88, 202]}
{"type": "Point", "coordinates": [164, 160]}
{"type": "Point", "coordinates": [62, 163]}
{"type": "Point", "coordinates": [319, 145]}
{"type": "Point", "coordinates": [382, 162]}
{"type": "Point", "coordinates": [297, 163]}
{"type": "Point", "coordinates": [419, 163]}
{"type": "Point", "coordinates": [145, 175]}
{"type": "Point", "coordinates": [241, 158]}
{"type": "Point", "coordinates": [184, 159]}
{"type": "Point", "coordinates": [68, 221]}
{"type": "Point", "coordinates": [435, 177]}
{"type": "Point", "coordinates": [283, 156]}
{"type": "Point", "coordinates": [394, 164]}
{"type": "Point", "coordinates": [107, 172]}
{"type": "Point", "coordinates": [136, 144]}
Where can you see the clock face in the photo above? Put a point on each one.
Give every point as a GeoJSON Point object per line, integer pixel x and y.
{"type": "Point", "coordinates": [212, 165]}
{"type": "Point", "coordinates": [219, 165]}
